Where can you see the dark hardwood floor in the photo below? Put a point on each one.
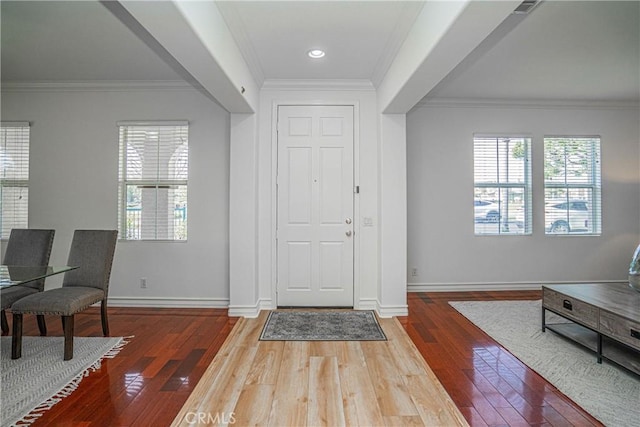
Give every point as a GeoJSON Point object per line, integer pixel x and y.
{"type": "Point", "coordinates": [488, 384]}
{"type": "Point", "coordinates": [147, 383]}
{"type": "Point", "coordinates": [151, 378]}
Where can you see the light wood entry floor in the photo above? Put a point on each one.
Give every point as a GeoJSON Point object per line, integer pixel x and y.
{"type": "Point", "coordinates": [333, 383]}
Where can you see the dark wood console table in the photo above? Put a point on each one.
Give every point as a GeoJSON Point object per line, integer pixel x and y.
{"type": "Point", "coordinates": [605, 318]}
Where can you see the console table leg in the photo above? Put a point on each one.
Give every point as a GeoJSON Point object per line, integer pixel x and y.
{"type": "Point", "coordinates": [599, 348]}
{"type": "Point", "coordinates": [543, 320]}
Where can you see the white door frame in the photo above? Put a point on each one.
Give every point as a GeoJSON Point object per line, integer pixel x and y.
{"type": "Point", "coordinates": [274, 192]}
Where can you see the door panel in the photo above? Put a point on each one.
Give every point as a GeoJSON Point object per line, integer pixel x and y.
{"type": "Point", "coordinates": [299, 255]}
{"type": "Point", "coordinates": [331, 186]}
{"type": "Point", "coordinates": [300, 183]}
{"type": "Point", "coordinates": [331, 265]}
{"type": "Point", "coordinates": [315, 206]}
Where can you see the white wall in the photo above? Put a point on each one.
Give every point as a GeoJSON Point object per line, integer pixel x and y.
{"type": "Point", "coordinates": [243, 219]}
{"type": "Point", "coordinates": [441, 241]}
{"type": "Point", "coordinates": [392, 167]}
{"type": "Point", "coordinates": [74, 177]}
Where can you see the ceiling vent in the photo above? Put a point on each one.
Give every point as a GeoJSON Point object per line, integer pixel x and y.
{"type": "Point", "coordinates": [526, 7]}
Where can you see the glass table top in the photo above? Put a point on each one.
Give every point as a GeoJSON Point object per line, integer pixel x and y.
{"type": "Point", "coordinates": [13, 275]}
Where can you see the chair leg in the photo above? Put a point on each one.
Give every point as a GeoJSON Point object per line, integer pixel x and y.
{"type": "Point", "coordinates": [42, 325]}
{"type": "Point", "coordinates": [16, 339]}
{"type": "Point", "coordinates": [5, 324]}
{"type": "Point", "coordinates": [67, 323]}
{"type": "Point", "coordinates": [105, 321]}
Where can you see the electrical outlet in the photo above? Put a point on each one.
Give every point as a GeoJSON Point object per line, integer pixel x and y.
{"type": "Point", "coordinates": [414, 272]}
{"type": "Point", "coordinates": [143, 283]}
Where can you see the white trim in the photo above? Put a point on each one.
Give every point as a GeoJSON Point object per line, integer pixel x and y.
{"type": "Point", "coordinates": [274, 202]}
{"type": "Point", "coordinates": [168, 302]}
{"type": "Point", "coordinates": [153, 123]}
{"type": "Point", "coordinates": [367, 304]}
{"type": "Point", "coordinates": [356, 203]}
{"type": "Point", "coordinates": [251, 311]}
{"type": "Point", "coordinates": [526, 103]}
{"type": "Point", "coordinates": [494, 286]}
{"type": "Point", "coordinates": [276, 103]}
{"type": "Point", "coordinates": [267, 304]}
{"type": "Point", "coordinates": [115, 85]}
{"type": "Point", "coordinates": [318, 85]}
{"type": "Point", "coordinates": [393, 310]}
{"type": "Point", "coordinates": [382, 311]}
{"type": "Point", "coordinates": [405, 22]}
{"type": "Point", "coordinates": [15, 124]}
{"type": "Point", "coordinates": [239, 33]}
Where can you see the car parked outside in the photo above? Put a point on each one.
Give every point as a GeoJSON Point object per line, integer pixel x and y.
{"type": "Point", "coordinates": [486, 211]}
{"type": "Point", "coordinates": [564, 216]}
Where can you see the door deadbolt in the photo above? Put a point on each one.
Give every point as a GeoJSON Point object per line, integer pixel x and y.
{"type": "Point", "coordinates": [348, 220]}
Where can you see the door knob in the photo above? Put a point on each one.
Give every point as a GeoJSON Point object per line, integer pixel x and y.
{"type": "Point", "coordinates": [348, 233]}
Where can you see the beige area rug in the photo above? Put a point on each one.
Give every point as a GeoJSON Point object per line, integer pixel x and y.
{"type": "Point", "coordinates": [40, 378]}
{"type": "Point", "coordinates": [609, 393]}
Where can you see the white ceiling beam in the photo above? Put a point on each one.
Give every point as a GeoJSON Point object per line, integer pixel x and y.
{"type": "Point", "coordinates": [444, 33]}
{"type": "Point", "coordinates": [193, 38]}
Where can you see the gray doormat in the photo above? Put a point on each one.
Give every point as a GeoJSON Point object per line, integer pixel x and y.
{"type": "Point", "coordinates": [322, 326]}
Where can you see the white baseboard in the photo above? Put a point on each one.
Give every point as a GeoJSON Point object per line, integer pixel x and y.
{"type": "Point", "coordinates": [495, 286]}
{"type": "Point", "coordinates": [392, 310]}
{"type": "Point", "coordinates": [382, 310]}
{"type": "Point", "coordinates": [367, 304]}
{"type": "Point", "coordinates": [267, 304]}
{"type": "Point", "coordinates": [166, 302]}
{"type": "Point", "coordinates": [251, 311]}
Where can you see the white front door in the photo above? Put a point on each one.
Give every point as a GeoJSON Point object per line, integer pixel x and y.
{"type": "Point", "coordinates": [315, 206]}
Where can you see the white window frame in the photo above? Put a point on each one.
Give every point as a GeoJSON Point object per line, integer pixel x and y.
{"type": "Point", "coordinates": [125, 181]}
{"type": "Point", "coordinates": [20, 218]}
{"type": "Point", "coordinates": [506, 227]}
{"type": "Point", "coordinates": [594, 187]}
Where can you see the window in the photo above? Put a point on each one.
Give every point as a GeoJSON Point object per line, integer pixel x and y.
{"type": "Point", "coordinates": [572, 185]}
{"type": "Point", "coordinates": [502, 185]}
{"type": "Point", "coordinates": [153, 176]}
{"type": "Point", "coordinates": [14, 177]}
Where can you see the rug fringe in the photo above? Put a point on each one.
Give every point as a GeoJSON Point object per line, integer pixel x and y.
{"type": "Point", "coordinates": [72, 386]}
{"type": "Point", "coordinates": [116, 348]}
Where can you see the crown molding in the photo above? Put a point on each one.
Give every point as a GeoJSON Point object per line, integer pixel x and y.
{"type": "Point", "coordinates": [241, 37]}
{"type": "Point", "coordinates": [66, 86]}
{"type": "Point", "coordinates": [526, 103]}
{"type": "Point", "coordinates": [403, 26]}
{"type": "Point", "coordinates": [319, 84]}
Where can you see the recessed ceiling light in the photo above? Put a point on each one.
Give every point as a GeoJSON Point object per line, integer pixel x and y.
{"type": "Point", "coordinates": [315, 53]}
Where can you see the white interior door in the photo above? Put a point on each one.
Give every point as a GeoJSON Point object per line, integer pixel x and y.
{"type": "Point", "coordinates": [315, 206]}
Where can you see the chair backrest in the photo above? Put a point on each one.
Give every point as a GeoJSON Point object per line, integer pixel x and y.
{"type": "Point", "coordinates": [29, 247]}
{"type": "Point", "coordinates": [92, 251]}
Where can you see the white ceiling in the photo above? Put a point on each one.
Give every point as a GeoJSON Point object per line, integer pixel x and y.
{"type": "Point", "coordinates": [51, 41]}
{"type": "Point", "coordinates": [360, 38]}
{"type": "Point", "coordinates": [564, 50]}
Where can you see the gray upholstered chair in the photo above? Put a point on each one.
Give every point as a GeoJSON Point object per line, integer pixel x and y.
{"type": "Point", "coordinates": [92, 251]}
{"type": "Point", "coordinates": [26, 247]}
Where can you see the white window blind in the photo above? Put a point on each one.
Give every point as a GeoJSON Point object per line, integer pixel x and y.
{"type": "Point", "coordinates": [14, 176]}
{"type": "Point", "coordinates": [572, 185]}
{"type": "Point", "coordinates": [502, 185]}
{"type": "Point", "coordinates": [153, 178]}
